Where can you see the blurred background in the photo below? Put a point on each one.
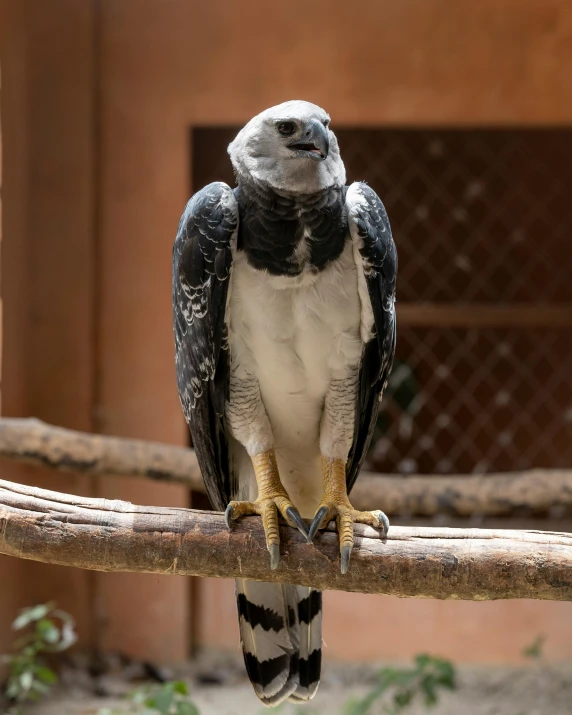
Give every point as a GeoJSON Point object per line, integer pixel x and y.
{"type": "Point", "coordinates": [458, 114]}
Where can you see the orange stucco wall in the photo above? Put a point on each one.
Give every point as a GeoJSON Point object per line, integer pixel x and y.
{"type": "Point", "coordinates": [102, 118]}
{"type": "Point", "coordinates": [13, 197]}
{"type": "Point", "coordinates": [168, 67]}
{"type": "Point", "coordinates": [367, 628]}
{"type": "Point", "coordinates": [46, 267]}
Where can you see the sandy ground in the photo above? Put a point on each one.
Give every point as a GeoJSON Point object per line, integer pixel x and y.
{"type": "Point", "coordinates": [219, 687]}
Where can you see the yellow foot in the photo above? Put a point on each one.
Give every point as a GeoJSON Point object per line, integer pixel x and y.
{"type": "Point", "coordinates": [336, 505]}
{"type": "Point", "coordinates": [272, 498]}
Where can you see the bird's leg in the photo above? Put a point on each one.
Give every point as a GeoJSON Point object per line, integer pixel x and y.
{"type": "Point", "coordinates": [249, 424]}
{"type": "Point", "coordinates": [335, 504]}
{"type": "Point", "coordinates": [336, 437]}
{"type": "Point", "coordinates": [272, 498]}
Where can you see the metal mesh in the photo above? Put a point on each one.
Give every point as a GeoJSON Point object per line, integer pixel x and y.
{"type": "Point", "coordinates": [467, 400]}
{"type": "Point", "coordinates": [478, 217]}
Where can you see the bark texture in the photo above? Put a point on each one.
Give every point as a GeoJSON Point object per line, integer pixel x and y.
{"type": "Point", "coordinates": [470, 564]}
{"type": "Point", "coordinates": [540, 492]}
{"type": "Point", "coordinates": [35, 442]}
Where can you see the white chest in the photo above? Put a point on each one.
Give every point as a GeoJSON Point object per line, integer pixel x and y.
{"type": "Point", "coordinates": [295, 333]}
{"type": "Point", "coordinates": [295, 336]}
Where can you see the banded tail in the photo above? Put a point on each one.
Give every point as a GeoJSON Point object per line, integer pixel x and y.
{"type": "Point", "coordinates": [281, 634]}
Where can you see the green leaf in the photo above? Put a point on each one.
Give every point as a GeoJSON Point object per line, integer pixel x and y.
{"type": "Point", "coordinates": [46, 675]}
{"type": "Point", "coordinates": [26, 680]}
{"type": "Point", "coordinates": [351, 706]}
{"type": "Point", "coordinates": [40, 688]}
{"type": "Point", "coordinates": [67, 638]}
{"type": "Point", "coordinates": [12, 689]}
{"type": "Point", "coordinates": [403, 698]}
{"type": "Point", "coordinates": [424, 680]}
{"type": "Point", "coordinates": [48, 631]}
{"type": "Point", "coordinates": [138, 697]}
{"type": "Point", "coordinates": [162, 699]}
{"type": "Point", "coordinates": [359, 707]}
{"type": "Point", "coordinates": [179, 686]}
{"type": "Point", "coordinates": [28, 615]}
{"type": "Point", "coordinates": [186, 708]}
{"type": "Point", "coordinates": [28, 652]}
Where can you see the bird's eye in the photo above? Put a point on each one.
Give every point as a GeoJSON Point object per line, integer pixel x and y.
{"type": "Point", "coordinates": [326, 122]}
{"type": "Point", "coordinates": [286, 128]}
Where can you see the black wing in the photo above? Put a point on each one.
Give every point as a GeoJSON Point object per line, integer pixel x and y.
{"type": "Point", "coordinates": [376, 260]}
{"type": "Point", "coordinates": [202, 262]}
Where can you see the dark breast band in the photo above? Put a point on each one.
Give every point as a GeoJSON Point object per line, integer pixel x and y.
{"type": "Point", "coordinates": [272, 227]}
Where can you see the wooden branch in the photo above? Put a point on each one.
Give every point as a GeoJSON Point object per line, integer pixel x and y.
{"type": "Point", "coordinates": [536, 492]}
{"type": "Point", "coordinates": [485, 315]}
{"type": "Point", "coordinates": [35, 442]}
{"type": "Point", "coordinates": [469, 564]}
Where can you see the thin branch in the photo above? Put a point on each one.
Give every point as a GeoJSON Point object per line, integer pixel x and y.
{"type": "Point", "coordinates": [35, 442]}
{"type": "Point", "coordinates": [470, 564]}
{"type": "Point", "coordinates": [536, 492]}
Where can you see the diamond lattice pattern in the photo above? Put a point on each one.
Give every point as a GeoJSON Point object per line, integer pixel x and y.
{"type": "Point", "coordinates": [478, 217]}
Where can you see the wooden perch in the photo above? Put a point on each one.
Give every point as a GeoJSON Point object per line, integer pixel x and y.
{"type": "Point", "coordinates": [536, 492]}
{"type": "Point", "coordinates": [470, 564]}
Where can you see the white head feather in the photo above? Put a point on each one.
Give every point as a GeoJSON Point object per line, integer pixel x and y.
{"type": "Point", "coordinates": [260, 151]}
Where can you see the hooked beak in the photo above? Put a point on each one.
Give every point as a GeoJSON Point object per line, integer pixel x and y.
{"type": "Point", "coordinates": [314, 142]}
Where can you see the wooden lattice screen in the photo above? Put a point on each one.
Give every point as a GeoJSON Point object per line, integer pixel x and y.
{"type": "Point", "coordinates": [483, 224]}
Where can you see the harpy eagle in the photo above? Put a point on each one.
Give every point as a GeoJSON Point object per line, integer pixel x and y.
{"type": "Point", "coordinates": [284, 319]}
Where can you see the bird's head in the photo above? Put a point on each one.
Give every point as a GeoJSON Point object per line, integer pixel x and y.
{"type": "Point", "coordinates": [291, 148]}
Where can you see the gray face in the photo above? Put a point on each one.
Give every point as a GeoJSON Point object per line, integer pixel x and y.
{"type": "Point", "coordinates": [291, 148]}
{"type": "Point", "coordinates": [304, 139]}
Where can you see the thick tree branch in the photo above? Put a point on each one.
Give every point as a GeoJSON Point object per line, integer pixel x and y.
{"type": "Point", "coordinates": [470, 564]}
{"type": "Point", "coordinates": [536, 492]}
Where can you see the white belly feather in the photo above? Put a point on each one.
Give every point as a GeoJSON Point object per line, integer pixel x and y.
{"type": "Point", "coordinates": [295, 336]}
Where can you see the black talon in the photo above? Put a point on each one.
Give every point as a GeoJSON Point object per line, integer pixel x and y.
{"type": "Point", "coordinates": [315, 525]}
{"type": "Point", "coordinates": [274, 556]}
{"type": "Point", "coordinates": [345, 554]}
{"type": "Point", "coordinates": [297, 520]}
{"type": "Point", "coordinates": [383, 522]}
{"type": "Point", "coordinates": [228, 516]}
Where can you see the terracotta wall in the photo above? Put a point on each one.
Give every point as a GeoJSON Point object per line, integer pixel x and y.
{"type": "Point", "coordinates": [47, 281]}
{"type": "Point", "coordinates": [168, 66]}
{"type": "Point", "coordinates": [105, 94]}
{"type": "Point", "coordinates": [13, 196]}
{"type": "Point", "coordinates": [58, 291]}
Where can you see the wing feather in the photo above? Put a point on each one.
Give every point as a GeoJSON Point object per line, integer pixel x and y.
{"type": "Point", "coordinates": [376, 260]}
{"type": "Point", "coordinates": [202, 264]}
